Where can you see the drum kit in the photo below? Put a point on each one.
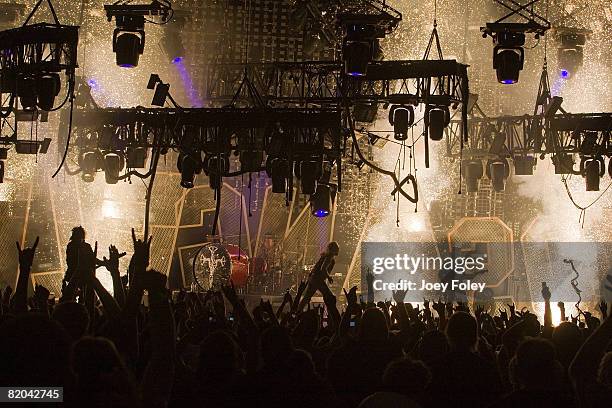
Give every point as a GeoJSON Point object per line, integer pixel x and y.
{"type": "Point", "coordinates": [216, 263]}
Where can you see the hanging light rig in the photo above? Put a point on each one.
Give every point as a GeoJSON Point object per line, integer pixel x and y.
{"type": "Point", "coordinates": [129, 36]}
{"type": "Point", "coordinates": [361, 33]}
{"type": "Point", "coordinates": [509, 38]}
{"type": "Point", "coordinates": [570, 51]}
{"type": "Point", "coordinates": [32, 58]}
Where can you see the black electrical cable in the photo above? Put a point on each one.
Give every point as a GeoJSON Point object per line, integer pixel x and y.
{"type": "Point", "coordinates": [217, 209]}
{"type": "Point", "coordinates": [67, 139]}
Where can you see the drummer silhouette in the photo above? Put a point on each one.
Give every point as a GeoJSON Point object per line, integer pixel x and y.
{"type": "Point", "coordinates": [319, 274]}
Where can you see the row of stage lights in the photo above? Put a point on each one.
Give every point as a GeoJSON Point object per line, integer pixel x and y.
{"type": "Point", "coordinates": [314, 174]}
{"type": "Point", "coordinates": [509, 54]}
{"type": "Point", "coordinates": [591, 168]}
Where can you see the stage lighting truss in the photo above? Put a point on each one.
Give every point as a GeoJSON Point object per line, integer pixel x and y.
{"type": "Point", "coordinates": [509, 37]}
{"type": "Point", "coordinates": [32, 59]}
{"type": "Point", "coordinates": [236, 140]}
{"type": "Point", "coordinates": [129, 36]}
{"type": "Point", "coordinates": [566, 139]}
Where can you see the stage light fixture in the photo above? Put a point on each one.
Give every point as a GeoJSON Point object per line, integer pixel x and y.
{"type": "Point", "coordinates": [250, 160]}
{"type": "Point", "coordinates": [153, 80]}
{"type": "Point", "coordinates": [524, 165]}
{"type": "Point", "coordinates": [592, 169]}
{"type": "Point", "coordinates": [216, 164]}
{"type": "Point", "coordinates": [279, 171]}
{"type": "Point", "coordinates": [357, 49]}
{"type": "Point", "coordinates": [129, 36]}
{"type": "Point", "coordinates": [564, 163]}
{"type": "Point", "coordinates": [113, 164]}
{"type": "Point", "coordinates": [473, 172]}
{"type": "Point", "coordinates": [188, 167]}
{"type": "Point", "coordinates": [321, 201]}
{"type": "Point", "coordinates": [161, 93]}
{"type": "Point", "coordinates": [439, 118]}
{"type": "Point", "coordinates": [508, 33]}
{"type": "Point", "coordinates": [553, 106]}
{"type": "Point", "coordinates": [89, 165]}
{"type": "Point", "coordinates": [508, 64]}
{"type": "Point", "coordinates": [128, 46]}
{"type": "Point", "coordinates": [32, 146]}
{"type": "Point", "coordinates": [26, 91]}
{"type": "Point", "coordinates": [136, 157]}
{"type": "Point", "coordinates": [570, 54]}
{"type": "Point", "coordinates": [498, 171]}
{"type": "Point", "coordinates": [508, 56]}
{"type": "Point", "coordinates": [48, 87]}
{"type": "Point", "coordinates": [401, 117]}
{"type": "Point", "coordinates": [357, 55]}
{"type": "Point", "coordinates": [172, 41]}
{"type": "Point", "coordinates": [310, 171]}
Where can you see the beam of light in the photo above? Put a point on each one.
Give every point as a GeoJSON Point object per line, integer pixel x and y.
{"type": "Point", "coordinates": [109, 209]}
{"type": "Point", "coordinates": [93, 84]}
{"type": "Point", "coordinates": [559, 84]}
{"type": "Point", "coordinates": [192, 93]}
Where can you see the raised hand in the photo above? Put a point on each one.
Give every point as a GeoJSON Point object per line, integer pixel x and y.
{"type": "Point", "coordinates": [266, 307]}
{"type": "Point", "coordinates": [26, 255]}
{"type": "Point", "coordinates": [440, 308]}
{"type": "Point", "coordinates": [512, 308]}
{"type": "Point", "coordinates": [141, 251]}
{"type": "Point", "coordinates": [287, 298]}
{"type": "Point", "coordinates": [112, 262]}
{"type": "Point", "coordinates": [546, 292]}
{"type": "Point", "coordinates": [479, 311]}
{"type": "Point", "coordinates": [41, 293]}
{"type": "Point", "coordinates": [369, 278]}
{"type": "Point", "coordinates": [229, 291]}
{"type": "Point", "coordinates": [351, 296]}
{"type": "Point", "coordinates": [302, 287]}
{"type": "Point", "coordinates": [503, 314]}
{"type": "Point", "coordinates": [399, 296]}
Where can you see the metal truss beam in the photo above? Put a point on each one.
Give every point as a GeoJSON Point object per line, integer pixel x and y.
{"type": "Point", "coordinates": [567, 133]}
{"type": "Point", "coordinates": [305, 130]}
{"type": "Point", "coordinates": [323, 83]}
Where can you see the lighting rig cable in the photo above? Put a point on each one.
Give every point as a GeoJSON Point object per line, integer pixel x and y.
{"type": "Point", "coordinates": [410, 179]}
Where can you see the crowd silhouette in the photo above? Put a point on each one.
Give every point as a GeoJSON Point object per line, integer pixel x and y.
{"type": "Point", "coordinates": [211, 350]}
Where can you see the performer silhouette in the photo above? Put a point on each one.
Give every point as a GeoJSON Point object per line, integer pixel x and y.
{"type": "Point", "coordinates": [319, 274]}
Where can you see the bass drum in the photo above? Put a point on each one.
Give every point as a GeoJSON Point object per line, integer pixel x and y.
{"type": "Point", "coordinates": [212, 266]}
{"type": "Point", "coordinates": [240, 265]}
